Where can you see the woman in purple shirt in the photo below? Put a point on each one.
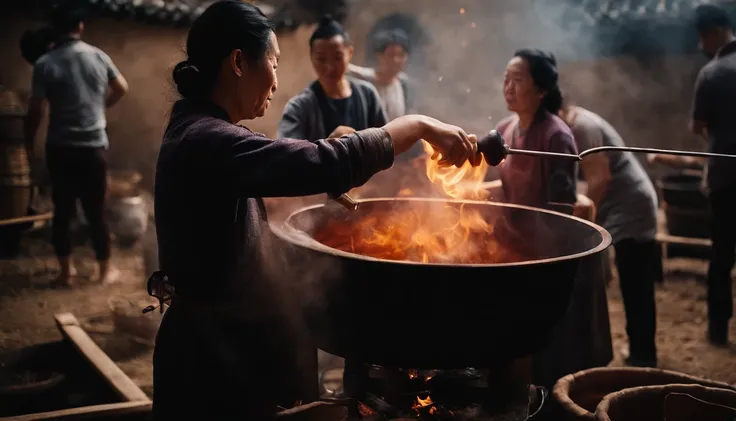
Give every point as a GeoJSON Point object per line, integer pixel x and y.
{"type": "Point", "coordinates": [531, 92]}
{"type": "Point", "coordinates": [232, 346]}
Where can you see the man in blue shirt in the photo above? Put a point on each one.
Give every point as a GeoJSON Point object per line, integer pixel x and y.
{"type": "Point", "coordinates": [76, 82]}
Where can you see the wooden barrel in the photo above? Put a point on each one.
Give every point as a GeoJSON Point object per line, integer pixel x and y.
{"type": "Point", "coordinates": [685, 205]}
{"type": "Point", "coordinates": [579, 394]}
{"type": "Point", "coordinates": [687, 222]}
{"type": "Point", "coordinates": [15, 170]}
{"type": "Point", "coordinates": [686, 402]}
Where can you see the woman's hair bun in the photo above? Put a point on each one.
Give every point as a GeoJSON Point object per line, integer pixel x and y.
{"type": "Point", "coordinates": [186, 77]}
{"type": "Point", "coordinates": [325, 19]}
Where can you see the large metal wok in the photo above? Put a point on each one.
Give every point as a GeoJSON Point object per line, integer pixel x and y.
{"type": "Point", "coordinates": [418, 315]}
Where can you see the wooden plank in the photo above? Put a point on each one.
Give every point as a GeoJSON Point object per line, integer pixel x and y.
{"type": "Point", "coordinates": [685, 241]}
{"type": "Point", "coordinates": [26, 219]}
{"type": "Point", "coordinates": [87, 412]}
{"type": "Point", "coordinates": [665, 239]}
{"type": "Point", "coordinates": [113, 375]}
{"type": "Point", "coordinates": [315, 411]}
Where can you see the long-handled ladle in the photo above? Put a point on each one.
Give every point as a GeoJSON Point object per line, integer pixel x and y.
{"type": "Point", "coordinates": [494, 150]}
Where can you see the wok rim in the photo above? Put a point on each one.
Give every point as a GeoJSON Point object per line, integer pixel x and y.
{"type": "Point", "coordinates": [315, 245]}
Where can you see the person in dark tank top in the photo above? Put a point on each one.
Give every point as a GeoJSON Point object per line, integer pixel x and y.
{"type": "Point", "coordinates": [232, 345]}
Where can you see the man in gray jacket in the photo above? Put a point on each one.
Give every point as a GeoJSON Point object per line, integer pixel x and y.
{"type": "Point", "coordinates": [334, 104]}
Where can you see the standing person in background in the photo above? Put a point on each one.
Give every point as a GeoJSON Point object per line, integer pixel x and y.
{"type": "Point", "coordinates": [72, 81]}
{"type": "Point", "coordinates": [392, 54]}
{"type": "Point", "coordinates": [335, 104]}
{"type": "Point", "coordinates": [626, 202]}
{"type": "Point", "coordinates": [714, 108]}
{"type": "Point", "coordinates": [532, 93]}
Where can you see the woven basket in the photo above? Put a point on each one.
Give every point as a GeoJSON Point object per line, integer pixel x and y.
{"type": "Point", "coordinates": [579, 394]}
{"type": "Point", "coordinates": [685, 402]}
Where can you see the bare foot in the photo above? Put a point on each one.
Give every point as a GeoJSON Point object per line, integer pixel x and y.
{"type": "Point", "coordinates": [64, 280]}
{"type": "Point", "coordinates": [109, 276]}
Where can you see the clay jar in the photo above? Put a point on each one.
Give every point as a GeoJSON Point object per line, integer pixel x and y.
{"type": "Point", "coordinates": [126, 210]}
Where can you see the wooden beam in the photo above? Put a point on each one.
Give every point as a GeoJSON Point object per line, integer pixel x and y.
{"type": "Point", "coordinates": [315, 411]}
{"type": "Point", "coordinates": [26, 219]}
{"type": "Point", "coordinates": [113, 375]}
{"type": "Point", "coordinates": [93, 412]}
{"type": "Point", "coordinates": [685, 241]}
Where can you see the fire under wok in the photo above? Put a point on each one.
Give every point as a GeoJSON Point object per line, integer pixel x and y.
{"type": "Point", "coordinates": [434, 283]}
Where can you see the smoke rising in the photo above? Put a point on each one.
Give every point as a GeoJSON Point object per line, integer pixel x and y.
{"type": "Point", "coordinates": [460, 73]}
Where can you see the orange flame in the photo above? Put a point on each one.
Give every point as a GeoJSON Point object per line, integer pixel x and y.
{"type": "Point", "coordinates": [465, 182]}
{"type": "Point", "coordinates": [422, 403]}
{"type": "Point", "coordinates": [433, 232]}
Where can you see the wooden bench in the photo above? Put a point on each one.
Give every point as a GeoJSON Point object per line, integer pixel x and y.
{"type": "Point", "coordinates": [665, 240]}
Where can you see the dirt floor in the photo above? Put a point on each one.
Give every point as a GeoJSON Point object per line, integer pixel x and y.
{"type": "Point", "coordinates": [27, 306]}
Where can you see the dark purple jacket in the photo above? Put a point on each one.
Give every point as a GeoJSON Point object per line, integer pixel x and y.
{"type": "Point", "coordinates": [211, 175]}
{"type": "Point", "coordinates": [234, 331]}
{"type": "Point", "coordinates": [534, 181]}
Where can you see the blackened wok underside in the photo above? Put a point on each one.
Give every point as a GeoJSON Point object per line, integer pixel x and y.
{"type": "Point", "coordinates": [414, 315]}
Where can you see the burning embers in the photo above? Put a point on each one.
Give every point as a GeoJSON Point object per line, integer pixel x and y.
{"type": "Point", "coordinates": [426, 232]}
{"type": "Point", "coordinates": [438, 395]}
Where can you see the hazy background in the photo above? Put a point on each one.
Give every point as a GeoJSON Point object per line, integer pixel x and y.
{"type": "Point", "coordinates": [459, 72]}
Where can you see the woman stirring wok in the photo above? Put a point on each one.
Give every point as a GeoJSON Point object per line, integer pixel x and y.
{"type": "Point", "coordinates": [532, 94]}
{"type": "Point", "coordinates": [227, 348]}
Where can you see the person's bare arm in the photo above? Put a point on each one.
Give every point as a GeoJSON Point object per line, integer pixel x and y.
{"type": "Point", "coordinates": [596, 167]}
{"type": "Point", "coordinates": [36, 111]}
{"type": "Point", "coordinates": [341, 131]}
{"type": "Point", "coordinates": [676, 161]}
{"type": "Point", "coordinates": [701, 108]}
{"type": "Point", "coordinates": [118, 89]}
{"type": "Point", "coordinates": [596, 172]}
{"type": "Point", "coordinates": [37, 107]}
{"type": "Point", "coordinates": [584, 208]}
{"type": "Point", "coordinates": [116, 83]}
